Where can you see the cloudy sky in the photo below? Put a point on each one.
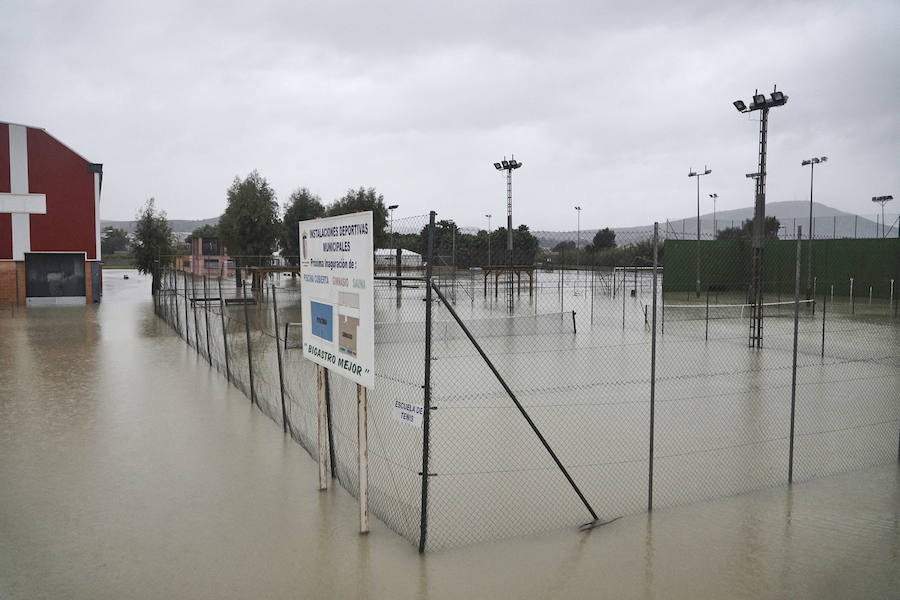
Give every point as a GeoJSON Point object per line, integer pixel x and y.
{"type": "Point", "coordinates": [607, 104]}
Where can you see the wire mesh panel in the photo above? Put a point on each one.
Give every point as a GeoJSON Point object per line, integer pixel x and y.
{"type": "Point", "coordinates": [541, 370]}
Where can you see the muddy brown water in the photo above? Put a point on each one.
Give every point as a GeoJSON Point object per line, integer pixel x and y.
{"type": "Point", "coordinates": [130, 469]}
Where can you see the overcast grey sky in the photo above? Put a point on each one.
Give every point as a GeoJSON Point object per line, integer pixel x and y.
{"type": "Point", "coordinates": [608, 105]}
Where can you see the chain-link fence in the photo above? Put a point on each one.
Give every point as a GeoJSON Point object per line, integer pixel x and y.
{"type": "Point", "coordinates": [580, 377]}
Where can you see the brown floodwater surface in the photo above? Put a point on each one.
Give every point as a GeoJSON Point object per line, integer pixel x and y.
{"type": "Point", "coordinates": [130, 469]}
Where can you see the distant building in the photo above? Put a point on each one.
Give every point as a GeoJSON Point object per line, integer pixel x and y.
{"type": "Point", "coordinates": [49, 220]}
{"type": "Point", "coordinates": [208, 257]}
{"type": "Point", "coordinates": [386, 258]}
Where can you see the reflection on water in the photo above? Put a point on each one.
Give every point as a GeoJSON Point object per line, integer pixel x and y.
{"type": "Point", "coordinates": [129, 469]}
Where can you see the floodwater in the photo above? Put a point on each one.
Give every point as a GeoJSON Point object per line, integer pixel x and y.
{"type": "Point", "coordinates": [131, 469]}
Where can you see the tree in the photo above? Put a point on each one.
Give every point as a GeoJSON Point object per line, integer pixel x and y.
{"type": "Point", "coordinates": [250, 225]}
{"type": "Point", "coordinates": [204, 231]}
{"type": "Point", "coordinates": [154, 243]}
{"type": "Point", "coordinates": [362, 200]}
{"type": "Point", "coordinates": [113, 240]}
{"type": "Point", "coordinates": [302, 206]}
{"type": "Point", "coordinates": [745, 231]}
{"type": "Point", "coordinates": [605, 238]}
{"type": "Point", "coordinates": [564, 246]}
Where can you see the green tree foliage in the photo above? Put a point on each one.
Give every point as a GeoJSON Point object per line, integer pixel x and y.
{"type": "Point", "coordinates": [605, 238]}
{"type": "Point", "coordinates": [745, 231]}
{"type": "Point", "coordinates": [113, 240]}
{"type": "Point", "coordinates": [302, 206]}
{"type": "Point", "coordinates": [361, 200]}
{"type": "Point", "coordinates": [154, 243]}
{"type": "Point", "coordinates": [204, 231]}
{"type": "Point", "coordinates": [250, 226]}
{"type": "Point", "coordinates": [569, 245]}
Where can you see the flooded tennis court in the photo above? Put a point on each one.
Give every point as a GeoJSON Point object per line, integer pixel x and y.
{"type": "Point", "coordinates": [131, 469]}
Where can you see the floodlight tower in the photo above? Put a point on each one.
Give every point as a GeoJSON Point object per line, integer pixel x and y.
{"type": "Point", "coordinates": [882, 200]}
{"type": "Point", "coordinates": [698, 175]}
{"type": "Point", "coordinates": [762, 104]}
{"type": "Point", "coordinates": [508, 166]}
{"type": "Point", "coordinates": [489, 239]}
{"type": "Point", "coordinates": [715, 223]}
{"type": "Point", "coordinates": [577, 246]}
{"type": "Point", "coordinates": [812, 162]}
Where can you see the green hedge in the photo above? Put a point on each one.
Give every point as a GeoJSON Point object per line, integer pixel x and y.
{"type": "Point", "coordinates": [725, 265]}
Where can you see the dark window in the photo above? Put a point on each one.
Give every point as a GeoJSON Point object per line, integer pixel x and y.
{"type": "Point", "coordinates": [54, 275]}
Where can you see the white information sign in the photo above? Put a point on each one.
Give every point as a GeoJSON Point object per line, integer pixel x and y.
{"type": "Point", "coordinates": [338, 302]}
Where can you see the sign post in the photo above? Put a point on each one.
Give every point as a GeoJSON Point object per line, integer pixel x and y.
{"type": "Point", "coordinates": [338, 315]}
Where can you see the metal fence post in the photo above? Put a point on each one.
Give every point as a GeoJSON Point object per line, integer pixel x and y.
{"type": "Point", "coordinates": [280, 363]}
{"type": "Point", "coordinates": [206, 316]}
{"type": "Point", "coordinates": [187, 334]}
{"type": "Point", "coordinates": [824, 303]}
{"type": "Point", "coordinates": [249, 346]}
{"type": "Point", "coordinates": [653, 365]}
{"type": "Point", "coordinates": [177, 313]}
{"type": "Point", "coordinates": [794, 365]}
{"type": "Point", "coordinates": [224, 332]}
{"type": "Point", "coordinates": [194, 310]}
{"type": "Point", "coordinates": [426, 417]}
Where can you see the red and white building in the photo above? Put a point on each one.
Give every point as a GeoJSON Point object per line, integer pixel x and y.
{"type": "Point", "coordinates": [49, 220]}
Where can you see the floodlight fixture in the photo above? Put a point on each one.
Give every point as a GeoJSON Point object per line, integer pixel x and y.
{"type": "Point", "coordinates": [763, 105]}
{"type": "Point", "coordinates": [393, 206]}
{"type": "Point", "coordinates": [508, 166]}
{"type": "Point", "coordinates": [692, 173]}
{"type": "Point", "coordinates": [882, 200]}
{"type": "Point", "coordinates": [751, 175]}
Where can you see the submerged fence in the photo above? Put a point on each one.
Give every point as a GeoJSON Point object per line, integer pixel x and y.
{"type": "Point", "coordinates": [569, 385]}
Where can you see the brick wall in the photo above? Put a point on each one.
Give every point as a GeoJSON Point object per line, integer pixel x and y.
{"type": "Point", "coordinates": [8, 288]}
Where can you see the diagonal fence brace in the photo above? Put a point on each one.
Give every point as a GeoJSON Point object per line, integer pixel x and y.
{"type": "Point", "coordinates": [515, 400]}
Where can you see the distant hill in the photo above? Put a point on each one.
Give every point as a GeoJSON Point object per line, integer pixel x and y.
{"type": "Point", "coordinates": [829, 222]}
{"type": "Point", "coordinates": [180, 228]}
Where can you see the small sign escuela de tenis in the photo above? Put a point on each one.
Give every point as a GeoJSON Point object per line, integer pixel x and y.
{"type": "Point", "coordinates": [337, 295]}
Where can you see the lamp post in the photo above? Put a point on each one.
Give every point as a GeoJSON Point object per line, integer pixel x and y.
{"type": "Point", "coordinates": [698, 175]}
{"type": "Point", "coordinates": [812, 162]}
{"type": "Point", "coordinates": [882, 200]}
{"type": "Point", "coordinates": [391, 210]}
{"type": "Point", "coordinates": [715, 223]}
{"type": "Point", "coordinates": [762, 104]}
{"type": "Point", "coordinates": [577, 247]}
{"type": "Point", "coordinates": [489, 239]}
{"type": "Point", "coordinates": [508, 166]}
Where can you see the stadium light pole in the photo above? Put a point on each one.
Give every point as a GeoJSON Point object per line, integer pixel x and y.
{"type": "Point", "coordinates": [698, 175]}
{"type": "Point", "coordinates": [715, 223]}
{"type": "Point", "coordinates": [812, 162]}
{"type": "Point", "coordinates": [882, 200]}
{"type": "Point", "coordinates": [508, 166]}
{"type": "Point", "coordinates": [762, 104]}
{"type": "Point", "coordinates": [489, 239]}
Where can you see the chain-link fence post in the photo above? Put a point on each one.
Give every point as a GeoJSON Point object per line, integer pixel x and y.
{"type": "Point", "coordinates": [426, 416]}
{"type": "Point", "coordinates": [280, 363]}
{"type": "Point", "coordinates": [194, 310]}
{"type": "Point", "coordinates": [653, 365]}
{"type": "Point", "coordinates": [224, 332]}
{"type": "Point", "coordinates": [187, 334]}
{"type": "Point", "coordinates": [794, 364]}
{"type": "Point", "coordinates": [206, 316]}
{"type": "Point", "coordinates": [177, 314]}
{"type": "Point", "coordinates": [249, 345]}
